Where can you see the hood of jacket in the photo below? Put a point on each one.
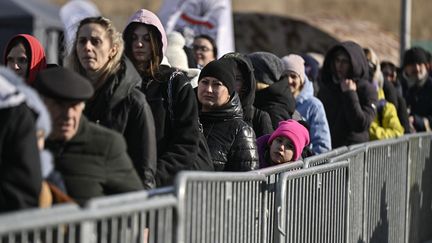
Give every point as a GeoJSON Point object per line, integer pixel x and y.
{"type": "Point", "coordinates": [249, 83]}
{"type": "Point", "coordinates": [268, 68]}
{"type": "Point", "coordinates": [360, 68]}
{"type": "Point", "coordinates": [33, 100]}
{"type": "Point", "coordinates": [307, 91]}
{"type": "Point", "coordinates": [10, 96]}
{"type": "Point", "coordinates": [232, 110]}
{"type": "Point", "coordinates": [37, 60]}
{"type": "Point", "coordinates": [147, 17]}
{"type": "Point", "coordinates": [122, 84]}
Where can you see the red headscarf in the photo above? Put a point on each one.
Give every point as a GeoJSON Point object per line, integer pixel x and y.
{"type": "Point", "coordinates": [37, 56]}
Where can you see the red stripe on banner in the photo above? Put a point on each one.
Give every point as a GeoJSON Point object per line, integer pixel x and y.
{"type": "Point", "coordinates": [186, 18]}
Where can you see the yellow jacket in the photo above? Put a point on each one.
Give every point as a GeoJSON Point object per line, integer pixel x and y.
{"type": "Point", "coordinates": [386, 124]}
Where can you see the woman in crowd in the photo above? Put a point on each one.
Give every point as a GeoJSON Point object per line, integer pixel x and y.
{"type": "Point", "coordinates": [25, 55]}
{"type": "Point", "coordinates": [117, 103]}
{"type": "Point", "coordinates": [386, 123]}
{"type": "Point", "coordinates": [245, 86]}
{"type": "Point", "coordinates": [230, 139]}
{"type": "Point", "coordinates": [309, 107]}
{"type": "Point", "coordinates": [273, 93]}
{"type": "Point", "coordinates": [204, 49]}
{"type": "Point", "coordinates": [284, 145]}
{"type": "Point", "coordinates": [180, 144]}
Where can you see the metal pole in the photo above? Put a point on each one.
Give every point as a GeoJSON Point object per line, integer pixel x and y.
{"type": "Point", "coordinates": [405, 35]}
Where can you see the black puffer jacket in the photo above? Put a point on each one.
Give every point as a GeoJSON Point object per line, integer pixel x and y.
{"type": "Point", "coordinates": [119, 105]}
{"type": "Point", "coordinates": [349, 113]}
{"type": "Point", "coordinates": [258, 119]}
{"type": "Point", "coordinates": [231, 140]}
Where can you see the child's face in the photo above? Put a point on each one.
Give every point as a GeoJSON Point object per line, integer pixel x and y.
{"type": "Point", "coordinates": [281, 150]}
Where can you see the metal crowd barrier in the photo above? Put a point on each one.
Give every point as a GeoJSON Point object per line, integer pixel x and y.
{"type": "Point", "coordinates": [323, 158]}
{"type": "Point", "coordinates": [356, 160]}
{"type": "Point", "coordinates": [56, 224]}
{"type": "Point", "coordinates": [132, 219]}
{"type": "Point", "coordinates": [367, 193]}
{"type": "Point", "coordinates": [312, 203]}
{"type": "Point", "coordinates": [272, 175]}
{"type": "Point", "coordinates": [220, 206]}
{"type": "Point", "coordinates": [419, 204]}
{"type": "Point", "coordinates": [386, 169]}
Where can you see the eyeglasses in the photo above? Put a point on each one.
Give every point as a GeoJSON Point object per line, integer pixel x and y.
{"type": "Point", "coordinates": [200, 48]}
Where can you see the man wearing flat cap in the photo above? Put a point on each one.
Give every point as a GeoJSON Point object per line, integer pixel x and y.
{"type": "Point", "coordinates": [92, 159]}
{"type": "Point", "coordinates": [417, 88]}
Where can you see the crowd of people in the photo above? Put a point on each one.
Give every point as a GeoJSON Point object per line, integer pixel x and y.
{"type": "Point", "coordinates": [129, 110]}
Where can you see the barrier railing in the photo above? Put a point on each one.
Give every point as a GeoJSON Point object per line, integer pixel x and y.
{"type": "Point", "coordinates": [220, 207]}
{"type": "Point", "coordinates": [385, 183]}
{"type": "Point", "coordinates": [419, 198]}
{"type": "Point", "coordinates": [371, 192]}
{"type": "Point", "coordinates": [323, 158]}
{"type": "Point", "coordinates": [272, 175]}
{"type": "Point", "coordinates": [312, 204]}
{"type": "Point", "coordinates": [356, 160]}
{"type": "Point", "coordinates": [133, 220]}
{"type": "Point", "coordinates": [57, 224]}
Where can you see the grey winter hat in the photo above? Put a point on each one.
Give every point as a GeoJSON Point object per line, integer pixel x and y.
{"type": "Point", "coordinates": [268, 68]}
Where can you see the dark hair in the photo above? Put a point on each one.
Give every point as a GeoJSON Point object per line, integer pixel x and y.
{"type": "Point", "coordinates": [212, 42]}
{"type": "Point", "coordinates": [15, 42]}
{"type": "Point", "coordinates": [388, 64]}
{"type": "Point", "coordinates": [155, 46]}
{"type": "Point", "coordinates": [307, 151]}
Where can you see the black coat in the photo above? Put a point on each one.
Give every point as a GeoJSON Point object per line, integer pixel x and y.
{"type": "Point", "coordinates": [20, 171]}
{"type": "Point", "coordinates": [419, 100]}
{"type": "Point", "coordinates": [177, 124]}
{"type": "Point", "coordinates": [231, 140]}
{"type": "Point", "coordinates": [349, 113]}
{"type": "Point", "coordinates": [94, 163]}
{"type": "Point", "coordinates": [258, 119]}
{"type": "Point", "coordinates": [392, 95]}
{"type": "Point", "coordinates": [277, 100]}
{"type": "Point", "coordinates": [119, 105]}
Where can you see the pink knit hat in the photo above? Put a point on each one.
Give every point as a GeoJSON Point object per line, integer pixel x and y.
{"type": "Point", "coordinates": [295, 132]}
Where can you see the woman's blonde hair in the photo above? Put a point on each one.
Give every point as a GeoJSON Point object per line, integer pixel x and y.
{"type": "Point", "coordinates": [113, 65]}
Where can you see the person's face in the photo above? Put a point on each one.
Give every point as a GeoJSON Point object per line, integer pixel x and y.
{"type": "Point", "coordinates": [141, 48]}
{"type": "Point", "coordinates": [295, 83]}
{"type": "Point", "coordinates": [388, 73]}
{"type": "Point", "coordinates": [94, 47]}
{"type": "Point", "coordinates": [281, 150]}
{"type": "Point", "coordinates": [342, 65]}
{"type": "Point", "coordinates": [203, 51]}
{"type": "Point", "coordinates": [17, 60]}
{"type": "Point", "coordinates": [65, 117]}
{"type": "Point", "coordinates": [417, 70]}
{"type": "Point", "coordinates": [212, 93]}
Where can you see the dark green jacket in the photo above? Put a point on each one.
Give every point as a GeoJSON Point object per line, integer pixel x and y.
{"type": "Point", "coordinates": [94, 163]}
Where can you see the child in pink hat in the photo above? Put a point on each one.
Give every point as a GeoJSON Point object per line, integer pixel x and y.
{"type": "Point", "coordinates": [284, 145]}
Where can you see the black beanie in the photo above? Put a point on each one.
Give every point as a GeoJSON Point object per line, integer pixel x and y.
{"type": "Point", "coordinates": [415, 55]}
{"type": "Point", "coordinates": [223, 70]}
